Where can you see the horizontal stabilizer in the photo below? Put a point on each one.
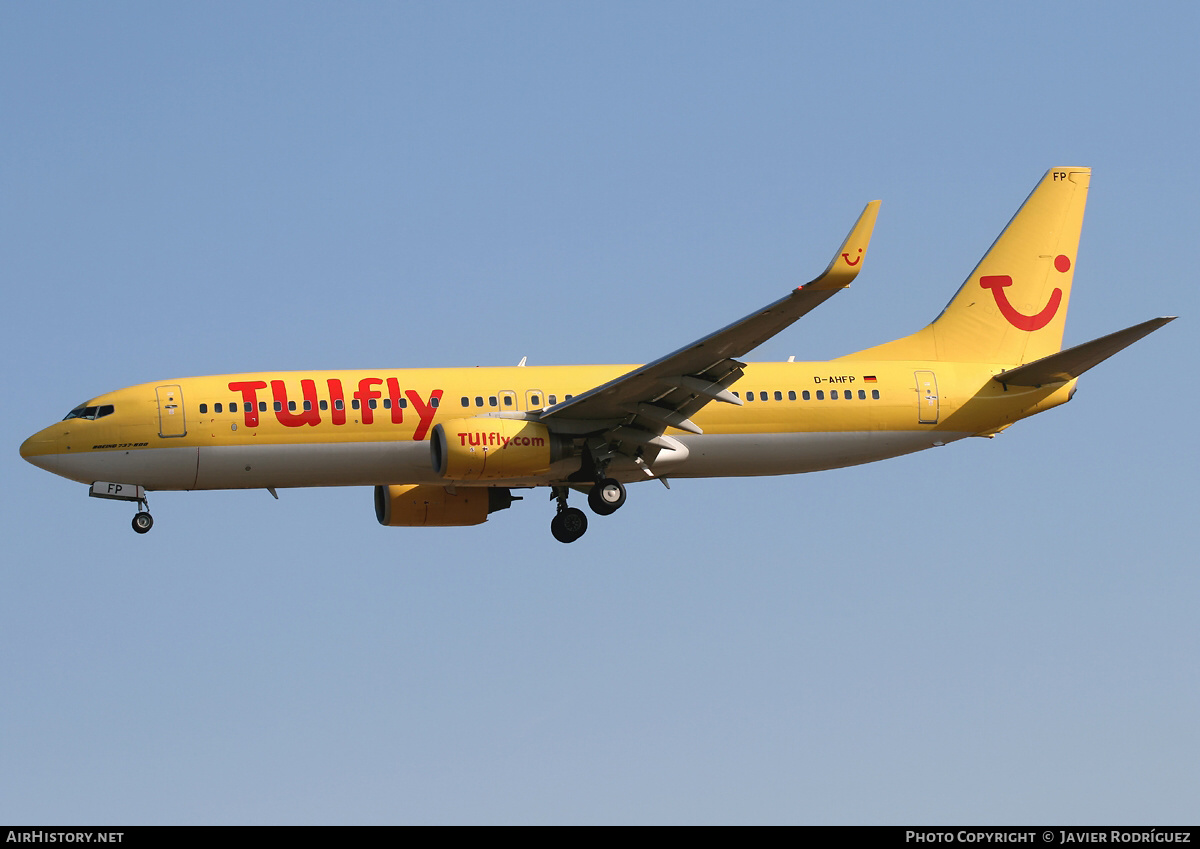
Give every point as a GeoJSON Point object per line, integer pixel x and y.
{"type": "Point", "coordinates": [1069, 364]}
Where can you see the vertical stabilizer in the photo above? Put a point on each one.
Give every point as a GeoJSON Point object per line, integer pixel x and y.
{"type": "Point", "coordinates": [1013, 306]}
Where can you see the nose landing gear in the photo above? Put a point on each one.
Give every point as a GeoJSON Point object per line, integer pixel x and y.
{"type": "Point", "coordinates": [143, 522]}
{"type": "Point", "coordinates": [136, 493]}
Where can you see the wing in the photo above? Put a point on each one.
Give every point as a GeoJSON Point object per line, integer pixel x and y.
{"type": "Point", "coordinates": [635, 408]}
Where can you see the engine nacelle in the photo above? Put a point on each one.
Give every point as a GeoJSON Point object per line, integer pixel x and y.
{"type": "Point", "coordinates": [417, 505]}
{"type": "Point", "coordinates": [486, 448]}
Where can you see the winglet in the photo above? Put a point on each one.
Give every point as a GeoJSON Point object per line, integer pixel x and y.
{"type": "Point", "coordinates": [847, 262]}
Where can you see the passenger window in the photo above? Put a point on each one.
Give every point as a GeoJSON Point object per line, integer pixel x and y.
{"type": "Point", "coordinates": [278, 406]}
{"type": "Point", "coordinates": [791, 394]}
{"type": "Point", "coordinates": [536, 400]}
{"type": "Point", "coordinates": [762, 396]}
{"type": "Point", "coordinates": [568, 397]}
{"type": "Point", "coordinates": [875, 394]}
{"type": "Point", "coordinates": [373, 404]}
{"type": "Point", "coordinates": [387, 403]}
{"type": "Point", "coordinates": [508, 401]}
{"type": "Point", "coordinates": [820, 394]}
{"type": "Point", "coordinates": [307, 406]}
{"type": "Point", "coordinates": [403, 402]}
{"type": "Point", "coordinates": [478, 400]}
{"type": "Point", "coordinates": [465, 401]}
{"type": "Point", "coordinates": [324, 405]}
{"type": "Point", "coordinates": [354, 405]}
{"type": "Point", "coordinates": [339, 404]}
{"type": "Point", "coordinates": [862, 395]}
{"type": "Point", "coordinates": [216, 408]}
{"type": "Point", "coordinates": [292, 406]}
{"type": "Point", "coordinates": [262, 406]}
{"type": "Point", "coordinates": [204, 408]}
{"type": "Point", "coordinates": [492, 402]}
{"type": "Point", "coordinates": [805, 395]}
{"type": "Point", "coordinates": [778, 396]}
{"type": "Point", "coordinates": [749, 396]}
{"type": "Point", "coordinates": [552, 400]}
{"type": "Point", "coordinates": [832, 394]}
{"type": "Point", "coordinates": [434, 402]}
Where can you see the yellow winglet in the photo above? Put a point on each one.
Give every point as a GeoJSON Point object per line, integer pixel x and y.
{"type": "Point", "coordinates": [848, 261]}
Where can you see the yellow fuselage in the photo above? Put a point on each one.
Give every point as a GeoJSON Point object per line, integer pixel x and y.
{"type": "Point", "coordinates": [344, 428]}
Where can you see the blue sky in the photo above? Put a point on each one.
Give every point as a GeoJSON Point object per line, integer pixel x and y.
{"type": "Point", "coordinates": [1002, 631]}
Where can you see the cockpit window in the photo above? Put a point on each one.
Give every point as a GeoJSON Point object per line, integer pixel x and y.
{"type": "Point", "coordinates": [83, 411]}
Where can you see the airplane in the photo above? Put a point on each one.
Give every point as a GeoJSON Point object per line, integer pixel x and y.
{"type": "Point", "coordinates": [447, 446]}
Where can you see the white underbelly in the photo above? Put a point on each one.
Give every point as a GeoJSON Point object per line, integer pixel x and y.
{"type": "Point", "coordinates": [320, 464]}
{"type": "Point", "coordinates": [735, 455]}
{"type": "Point", "coordinates": [381, 463]}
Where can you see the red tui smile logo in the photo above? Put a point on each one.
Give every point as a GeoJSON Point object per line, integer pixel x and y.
{"type": "Point", "coordinates": [999, 282]}
{"type": "Point", "coordinates": [857, 259]}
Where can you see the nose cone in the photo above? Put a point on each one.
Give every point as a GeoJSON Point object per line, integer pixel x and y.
{"type": "Point", "coordinates": [41, 449]}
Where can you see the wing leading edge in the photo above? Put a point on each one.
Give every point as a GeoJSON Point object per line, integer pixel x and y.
{"type": "Point", "coordinates": [638, 406]}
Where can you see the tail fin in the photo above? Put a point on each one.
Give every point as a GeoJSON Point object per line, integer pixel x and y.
{"type": "Point", "coordinates": [1013, 306]}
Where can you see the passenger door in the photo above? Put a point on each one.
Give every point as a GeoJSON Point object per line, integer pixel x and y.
{"type": "Point", "coordinates": [170, 411]}
{"type": "Point", "coordinates": [927, 398]}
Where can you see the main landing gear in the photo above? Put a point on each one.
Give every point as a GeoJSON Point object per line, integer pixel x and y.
{"type": "Point", "coordinates": [606, 497]}
{"type": "Point", "coordinates": [570, 523]}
